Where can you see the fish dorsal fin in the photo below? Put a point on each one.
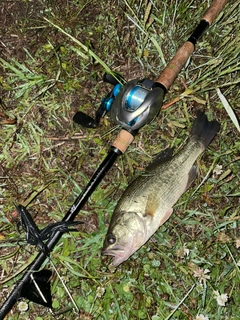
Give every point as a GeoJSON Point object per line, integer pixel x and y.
{"type": "Point", "coordinates": [161, 157]}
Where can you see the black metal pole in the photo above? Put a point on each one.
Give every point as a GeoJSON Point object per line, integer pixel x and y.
{"type": "Point", "coordinates": [70, 216]}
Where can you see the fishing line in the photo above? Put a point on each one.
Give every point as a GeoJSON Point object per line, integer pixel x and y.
{"type": "Point", "coordinates": [76, 309]}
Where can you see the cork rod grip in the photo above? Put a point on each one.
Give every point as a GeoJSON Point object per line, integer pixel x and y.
{"type": "Point", "coordinates": [174, 67]}
{"type": "Point", "coordinates": [123, 140]}
{"type": "Point", "coordinates": [214, 10]}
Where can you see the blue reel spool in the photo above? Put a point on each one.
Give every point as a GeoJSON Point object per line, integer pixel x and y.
{"type": "Point", "coordinates": [135, 98]}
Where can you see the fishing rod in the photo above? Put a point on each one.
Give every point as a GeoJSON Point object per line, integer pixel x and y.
{"type": "Point", "coordinates": [131, 105]}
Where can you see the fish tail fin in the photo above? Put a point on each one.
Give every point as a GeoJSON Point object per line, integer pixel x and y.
{"type": "Point", "coordinates": [204, 130]}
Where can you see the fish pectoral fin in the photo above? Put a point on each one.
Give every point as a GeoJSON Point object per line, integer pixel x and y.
{"type": "Point", "coordinates": [152, 205]}
{"type": "Point", "coordinates": [166, 215]}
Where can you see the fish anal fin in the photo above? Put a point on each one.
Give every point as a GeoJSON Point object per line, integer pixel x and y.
{"type": "Point", "coordinates": [166, 216]}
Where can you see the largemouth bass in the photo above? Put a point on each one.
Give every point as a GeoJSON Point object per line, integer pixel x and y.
{"type": "Point", "coordinates": [148, 201]}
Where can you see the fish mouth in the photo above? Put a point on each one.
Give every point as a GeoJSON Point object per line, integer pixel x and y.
{"type": "Point", "coordinates": [118, 253]}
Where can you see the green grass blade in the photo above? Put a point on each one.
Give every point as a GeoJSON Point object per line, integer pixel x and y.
{"type": "Point", "coordinates": [85, 48]}
{"type": "Point", "coordinates": [228, 109]}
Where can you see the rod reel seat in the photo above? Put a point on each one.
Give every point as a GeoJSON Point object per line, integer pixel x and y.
{"type": "Point", "coordinates": [130, 105]}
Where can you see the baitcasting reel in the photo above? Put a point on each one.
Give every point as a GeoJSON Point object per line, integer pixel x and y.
{"type": "Point", "coordinates": [131, 105]}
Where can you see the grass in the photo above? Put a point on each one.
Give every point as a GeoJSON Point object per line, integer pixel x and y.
{"type": "Point", "coordinates": [51, 65]}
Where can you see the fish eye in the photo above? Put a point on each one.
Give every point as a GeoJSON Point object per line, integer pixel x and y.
{"type": "Point", "coordinates": [111, 239]}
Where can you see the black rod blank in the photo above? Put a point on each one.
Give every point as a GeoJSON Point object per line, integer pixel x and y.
{"type": "Point", "coordinates": [70, 216]}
